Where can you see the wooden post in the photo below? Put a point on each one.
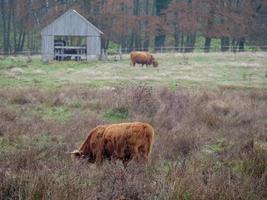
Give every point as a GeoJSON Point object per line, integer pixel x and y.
{"type": "Point", "coordinates": [106, 54]}
{"type": "Point", "coordinates": [120, 53]}
{"type": "Point", "coordinates": [102, 54]}
{"type": "Point", "coordinates": [29, 56]}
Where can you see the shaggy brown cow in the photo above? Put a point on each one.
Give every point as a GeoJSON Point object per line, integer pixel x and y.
{"type": "Point", "coordinates": [123, 141]}
{"type": "Point", "coordinates": [142, 57]}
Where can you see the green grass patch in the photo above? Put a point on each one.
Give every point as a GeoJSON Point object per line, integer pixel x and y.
{"type": "Point", "coordinates": [61, 113]}
{"type": "Point", "coordinates": [9, 63]}
{"type": "Point", "coordinates": [76, 104]}
{"type": "Point", "coordinates": [116, 114]}
{"type": "Point", "coordinates": [216, 147]}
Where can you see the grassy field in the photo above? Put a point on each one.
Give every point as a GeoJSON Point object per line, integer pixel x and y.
{"type": "Point", "coordinates": [187, 70]}
{"type": "Point", "coordinates": [209, 112]}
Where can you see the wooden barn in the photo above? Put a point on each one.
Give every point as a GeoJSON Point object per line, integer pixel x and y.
{"type": "Point", "coordinates": [71, 37]}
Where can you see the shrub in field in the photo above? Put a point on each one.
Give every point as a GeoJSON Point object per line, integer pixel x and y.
{"type": "Point", "coordinates": [172, 108]}
{"type": "Point", "coordinates": [135, 182]}
{"type": "Point", "coordinates": [140, 100]}
{"type": "Point", "coordinates": [116, 114]}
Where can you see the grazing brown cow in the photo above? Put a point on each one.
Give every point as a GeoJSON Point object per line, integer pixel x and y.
{"type": "Point", "coordinates": [123, 141]}
{"type": "Point", "coordinates": [142, 57]}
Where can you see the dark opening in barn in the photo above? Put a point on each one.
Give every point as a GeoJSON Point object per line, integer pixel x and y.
{"type": "Point", "coordinates": [70, 48]}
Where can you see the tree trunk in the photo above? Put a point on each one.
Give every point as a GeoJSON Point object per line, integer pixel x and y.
{"type": "Point", "coordinates": [103, 43]}
{"type": "Point", "coordinates": [159, 41]}
{"type": "Point", "coordinates": [160, 5]}
{"type": "Point", "coordinates": [14, 33]}
{"type": "Point", "coordinates": [225, 43]}
{"type": "Point", "coordinates": [107, 44]}
{"type": "Point", "coordinates": [146, 43]}
{"type": "Point", "coordinates": [131, 42]}
{"type": "Point", "coordinates": [190, 42]}
{"type": "Point", "coordinates": [8, 28]}
{"type": "Point", "coordinates": [176, 39]}
{"type": "Point", "coordinates": [241, 44]}
{"type": "Point", "coordinates": [137, 42]}
{"type": "Point", "coordinates": [207, 44]}
{"type": "Point", "coordinates": [146, 38]}
{"type": "Point", "coordinates": [136, 35]}
{"type": "Point", "coordinates": [4, 21]}
{"type": "Point", "coordinates": [182, 43]}
{"type": "Point", "coordinates": [234, 45]}
{"type": "Point", "coordinates": [22, 41]}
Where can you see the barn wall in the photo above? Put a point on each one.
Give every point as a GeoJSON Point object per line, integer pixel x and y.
{"type": "Point", "coordinates": [71, 24]}
{"type": "Point", "coordinates": [47, 47]}
{"type": "Point", "coordinates": [93, 48]}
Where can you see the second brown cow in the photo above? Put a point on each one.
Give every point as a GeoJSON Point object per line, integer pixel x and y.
{"type": "Point", "coordinates": [125, 141]}
{"type": "Point", "coordinates": [143, 58]}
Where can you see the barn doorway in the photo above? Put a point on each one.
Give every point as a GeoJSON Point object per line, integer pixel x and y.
{"type": "Point", "coordinates": [70, 48]}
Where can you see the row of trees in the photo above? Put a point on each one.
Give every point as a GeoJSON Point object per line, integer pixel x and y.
{"type": "Point", "coordinates": [140, 24]}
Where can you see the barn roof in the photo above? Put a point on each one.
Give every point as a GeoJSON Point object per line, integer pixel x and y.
{"type": "Point", "coordinates": [71, 23]}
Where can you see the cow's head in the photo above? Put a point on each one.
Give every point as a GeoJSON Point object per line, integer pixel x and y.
{"type": "Point", "coordinates": [155, 63]}
{"type": "Point", "coordinates": [92, 146]}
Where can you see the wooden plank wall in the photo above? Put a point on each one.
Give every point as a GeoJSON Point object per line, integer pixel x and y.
{"type": "Point", "coordinates": [93, 48]}
{"type": "Point", "coordinates": [47, 47]}
{"type": "Point", "coordinates": [70, 24]}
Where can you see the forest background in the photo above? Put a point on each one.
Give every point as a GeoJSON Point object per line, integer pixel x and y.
{"type": "Point", "coordinates": [143, 24]}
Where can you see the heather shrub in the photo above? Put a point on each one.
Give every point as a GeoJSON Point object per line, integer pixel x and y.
{"type": "Point", "coordinates": [209, 144]}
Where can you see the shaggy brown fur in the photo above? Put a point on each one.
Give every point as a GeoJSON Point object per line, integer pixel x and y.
{"type": "Point", "coordinates": [123, 141]}
{"type": "Point", "coordinates": [142, 57]}
{"type": "Point", "coordinates": [90, 148]}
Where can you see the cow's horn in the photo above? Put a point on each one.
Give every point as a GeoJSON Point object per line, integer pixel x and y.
{"type": "Point", "coordinates": [73, 152]}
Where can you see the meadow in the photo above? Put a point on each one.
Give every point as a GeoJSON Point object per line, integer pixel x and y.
{"type": "Point", "coordinates": [209, 112]}
{"type": "Point", "coordinates": [244, 70]}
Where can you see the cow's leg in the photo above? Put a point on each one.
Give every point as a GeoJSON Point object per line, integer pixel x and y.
{"type": "Point", "coordinates": [125, 163]}
{"type": "Point", "coordinates": [113, 160]}
{"type": "Point", "coordinates": [127, 156]}
{"type": "Point", "coordinates": [100, 152]}
{"type": "Point", "coordinates": [99, 158]}
{"type": "Point", "coordinates": [136, 156]}
{"type": "Point", "coordinates": [143, 158]}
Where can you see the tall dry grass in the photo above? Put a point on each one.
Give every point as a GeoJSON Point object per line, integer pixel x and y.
{"type": "Point", "coordinates": [210, 144]}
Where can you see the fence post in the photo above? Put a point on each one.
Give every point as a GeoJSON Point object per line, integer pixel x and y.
{"type": "Point", "coordinates": [29, 56]}
{"type": "Point", "coordinates": [103, 56]}
{"type": "Point", "coordinates": [120, 53]}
